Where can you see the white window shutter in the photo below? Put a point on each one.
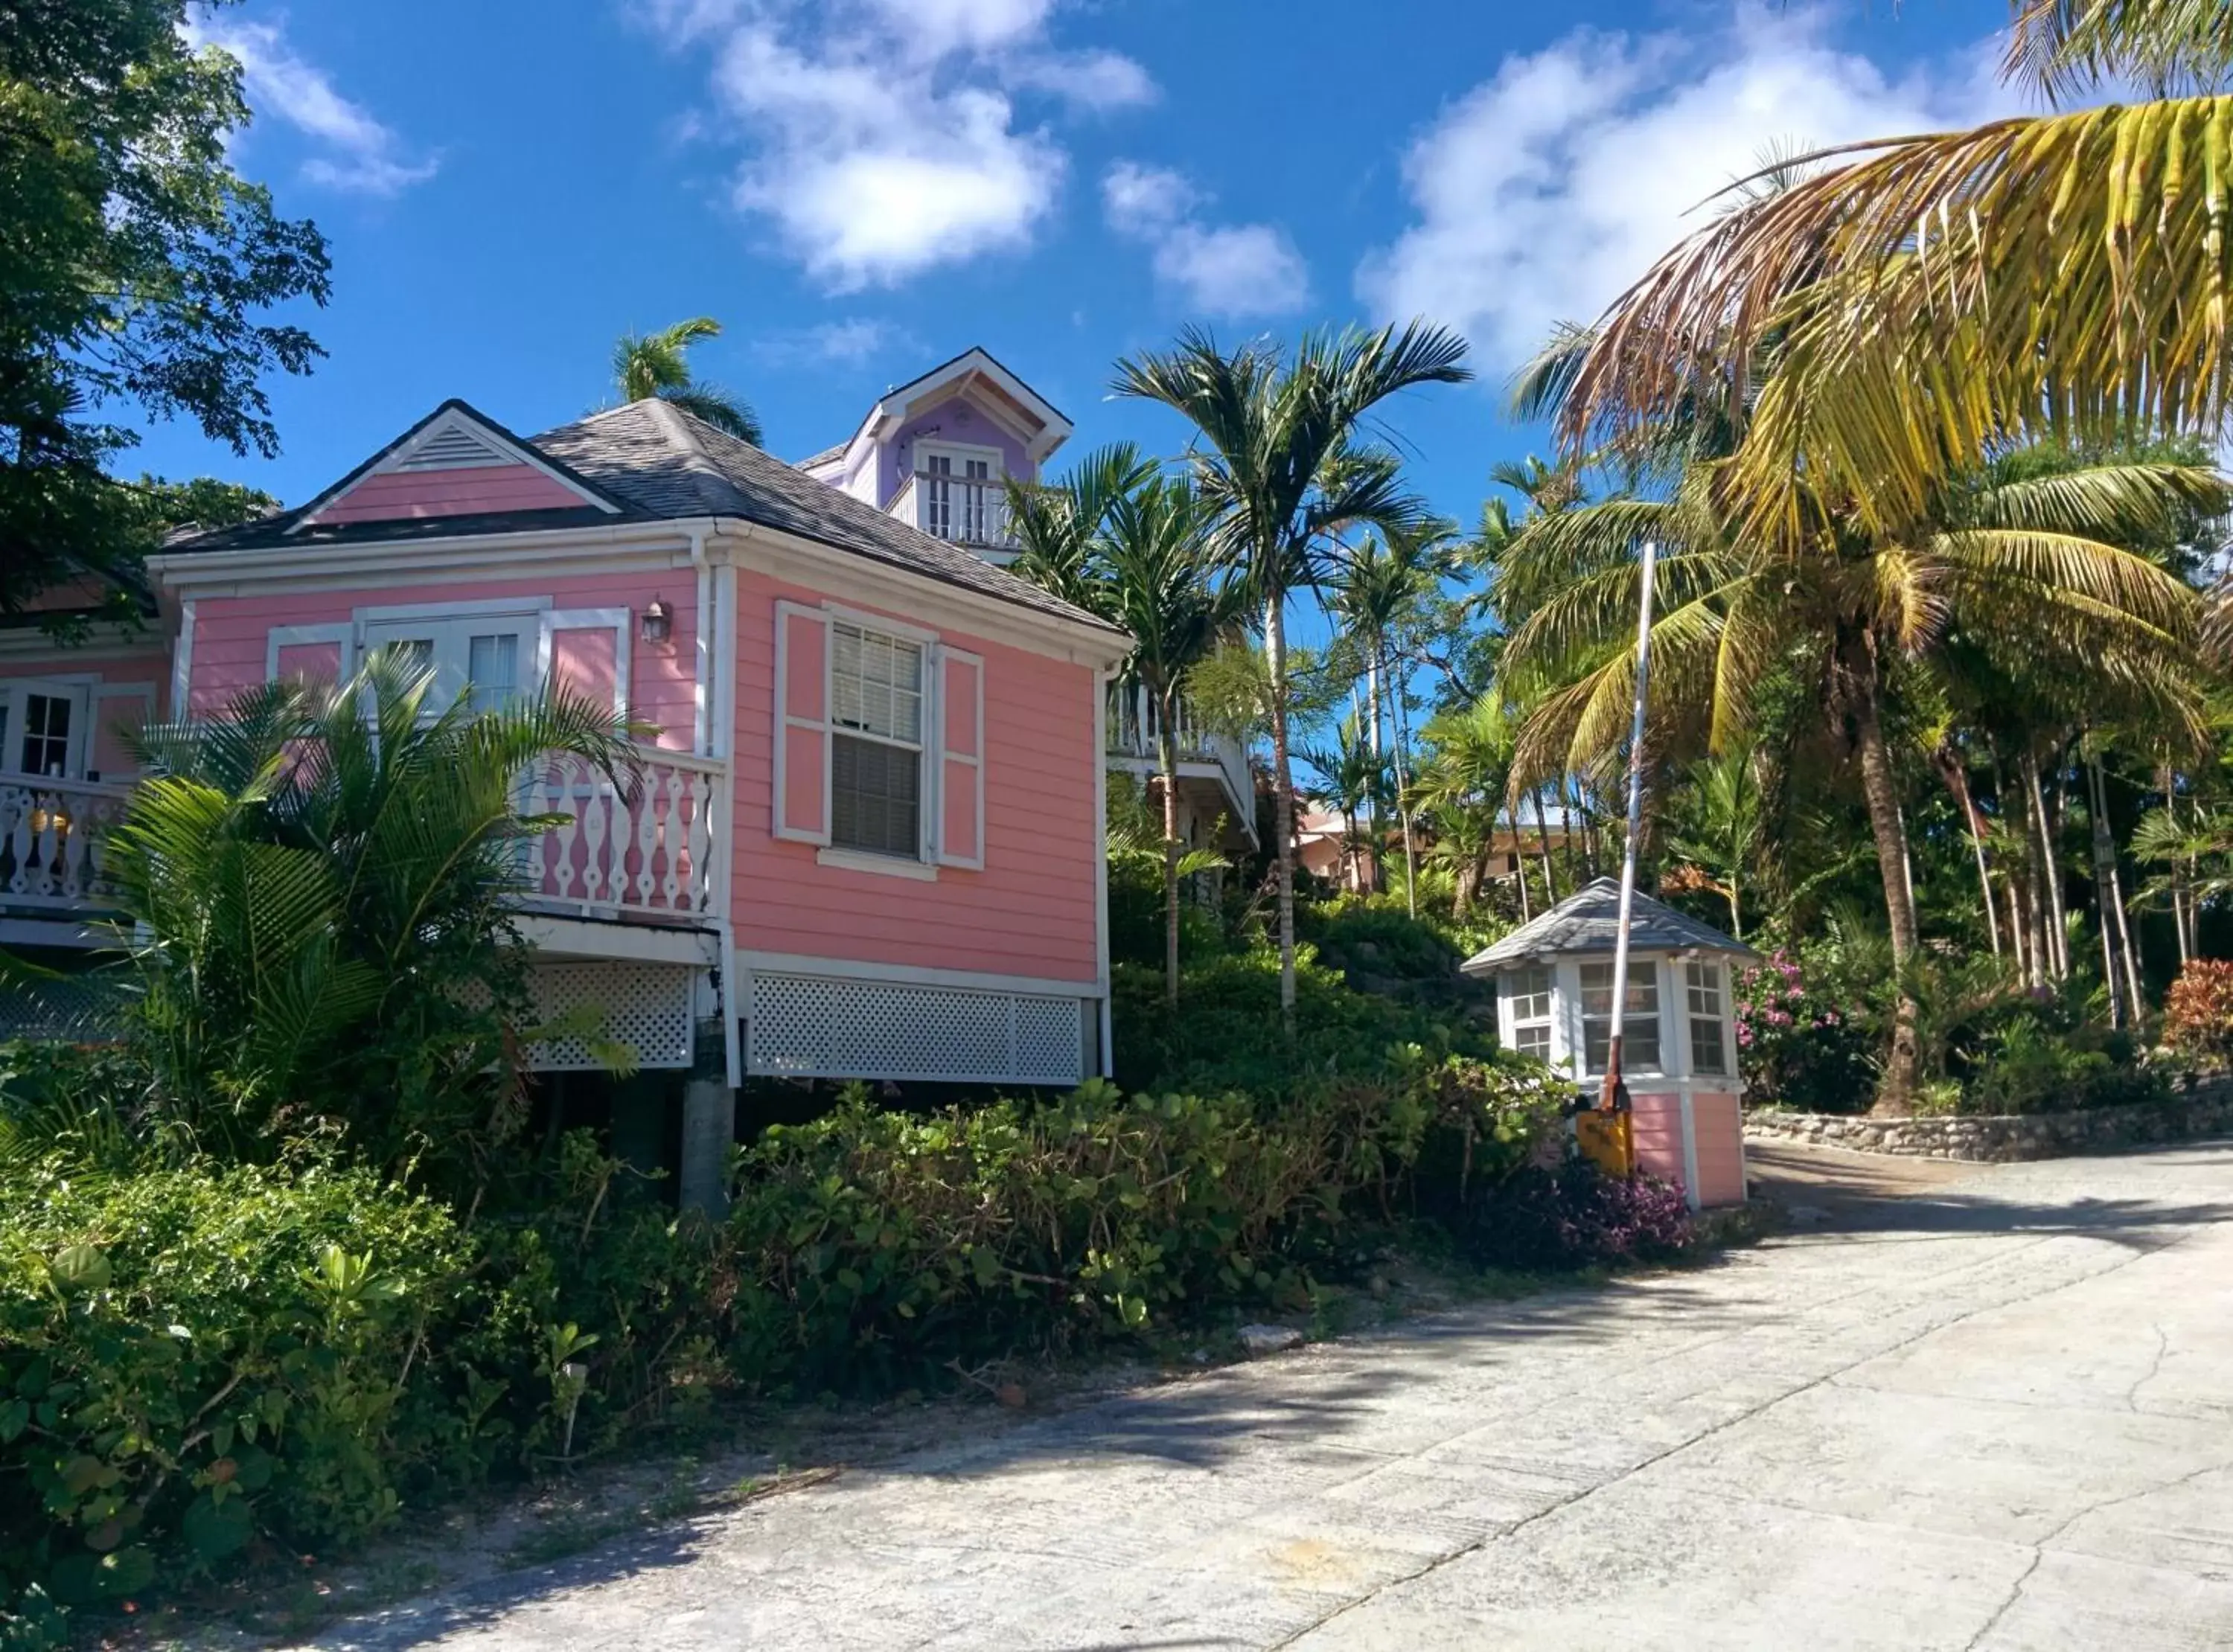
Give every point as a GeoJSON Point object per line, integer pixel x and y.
{"type": "Point", "coordinates": [802, 724]}
{"type": "Point", "coordinates": [960, 748]}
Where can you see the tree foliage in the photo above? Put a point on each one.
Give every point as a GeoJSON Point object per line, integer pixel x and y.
{"type": "Point", "coordinates": [138, 272]}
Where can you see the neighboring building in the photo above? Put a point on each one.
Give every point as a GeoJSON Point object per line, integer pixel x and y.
{"type": "Point", "coordinates": [870, 842]}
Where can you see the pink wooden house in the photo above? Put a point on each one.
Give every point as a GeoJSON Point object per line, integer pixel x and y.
{"type": "Point", "coordinates": [869, 843]}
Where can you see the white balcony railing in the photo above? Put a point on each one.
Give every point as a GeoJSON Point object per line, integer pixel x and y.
{"type": "Point", "coordinates": [51, 842]}
{"type": "Point", "coordinates": [961, 511]}
{"type": "Point", "coordinates": [643, 853]}
{"type": "Point", "coordinates": [1134, 723]}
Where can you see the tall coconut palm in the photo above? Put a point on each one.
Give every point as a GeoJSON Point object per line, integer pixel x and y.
{"type": "Point", "coordinates": [2029, 569]}
{"type": "Point", "coordinates": [1284, 459]}
{"type": "Point", "coordinates": [658, 364]}
{"type": "Point", "coordinates": [1920, 297]}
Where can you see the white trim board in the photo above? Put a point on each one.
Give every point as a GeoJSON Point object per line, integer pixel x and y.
{"type": "Point", "coordinates": [852, 969]}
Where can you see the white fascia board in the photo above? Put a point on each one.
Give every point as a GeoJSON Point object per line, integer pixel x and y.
{"type": "Point", "coordinates": [860, 969]}
{"type": "Point", "coordinates": [558, 937]}
{"type": "Point", "coordinates": [875, 584]}
{"type": "Point", "coordinates": [451, 558]}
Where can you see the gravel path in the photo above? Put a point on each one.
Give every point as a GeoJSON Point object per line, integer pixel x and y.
{"type": "Point", "coordinates": [1992, 1415]}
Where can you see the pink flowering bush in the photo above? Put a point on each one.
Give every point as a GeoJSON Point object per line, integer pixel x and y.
{"type": "Point", "coordinates": [1800, 1045]}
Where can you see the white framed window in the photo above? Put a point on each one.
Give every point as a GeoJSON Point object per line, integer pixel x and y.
{"type": "Point", "coordinates": [44, 726]}
{"type": "Point", "coordinates": [1528, 993]}
{"type": "Point", "coordinates": [1639, 1017]}
{"type": "Point", "coordinates": [1702, 988]}
{"type": "Point", "coordinates": [486, 660]}
{"type": "Point", "coordinates": [876, 746]}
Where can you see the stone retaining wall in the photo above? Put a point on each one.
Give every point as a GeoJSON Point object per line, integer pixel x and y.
{"type": "Point", "coordinates": [2003, 1139]}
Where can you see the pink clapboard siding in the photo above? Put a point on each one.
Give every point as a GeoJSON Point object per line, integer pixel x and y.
{"type": "Point", "coordinates": [1656, 1124]}
{"type": "Point", "coordinates": [130, 687]}
{"type": "Point", "coordinates": [1718, 1131]}
{"type": "Point", "coordinates": [478, 490]}
{"type": "Point", "coordinates": [1031, 912]}
{"type": "Point", "coordinates": [231, 636]}
{"type": "Point", "coordinates": [1717, 1125]}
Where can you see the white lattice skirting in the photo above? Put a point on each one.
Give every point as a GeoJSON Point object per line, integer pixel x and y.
{"type": "Point", "coordinates": [648, 1007]}
{"type": "Point", "coordinates": [812, 1026]}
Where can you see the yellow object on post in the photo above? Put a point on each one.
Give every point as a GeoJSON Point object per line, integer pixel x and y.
{"type": "Point", "coordinates": [1607, 1138]}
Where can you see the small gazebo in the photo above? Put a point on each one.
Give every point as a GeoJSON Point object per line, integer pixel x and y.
{"type": "Point", "coordinates": [1679, 1051]}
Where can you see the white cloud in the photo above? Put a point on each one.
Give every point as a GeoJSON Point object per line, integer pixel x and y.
{"type": "Point", "coordinates": [360, 153]}
{"type": "Point", "coordinates": [1222, 269]}
{"type": "Point", "coordinates": [847, 342]}
{"type": "Point", "coordinates": [885, 135]}
{"type": "Point", "coordinates": [1544, 192]}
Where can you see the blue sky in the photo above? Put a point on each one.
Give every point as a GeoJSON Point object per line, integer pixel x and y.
{"type": "Point", "coordinates": [858, 189]}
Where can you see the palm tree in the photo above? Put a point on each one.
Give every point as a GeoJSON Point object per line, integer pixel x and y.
{"type": "Point", "coordinates": [1286, 462]}
{"type": "Point", "coordinates": [657, 364]}
{"type": "Point", "coordinates": [1353, 780]}
{"type": "Point", "coordinates": [1720, 825]}
{"type": "Point", "coordinates": [1378, 593]}
{"type": "Point", "coordinates": [1923, 297]}
{"type": "Point", "coordinates": [2029, 570]}
{"type": "Point", "coordinates": [1135, 547]}
{"type": "Point", "coordinates": [1160, 579]}
{"type": "Point", "coordinates": [318, 882]}
{"type": "Point", "coordinates": [1058, 526]}
{"type": "Point", "coordinates": [1461, 785]}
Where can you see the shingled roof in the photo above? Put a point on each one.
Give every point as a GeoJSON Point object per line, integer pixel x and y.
{"type": "Point", "coordinates": [1589, 921]}
{"type": "Point", "coordinates": [659, 463]}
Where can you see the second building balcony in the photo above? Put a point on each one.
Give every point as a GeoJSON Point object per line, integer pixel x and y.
{"type": "Point", "coordinates": [971, 511]}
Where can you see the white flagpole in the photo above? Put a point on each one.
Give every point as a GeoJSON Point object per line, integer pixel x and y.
{"type": "Point", "coordinates": [1614, 1091]}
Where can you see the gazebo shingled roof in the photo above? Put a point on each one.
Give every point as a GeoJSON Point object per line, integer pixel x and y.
{"type": "Point", "coordinates": [1589, 921]}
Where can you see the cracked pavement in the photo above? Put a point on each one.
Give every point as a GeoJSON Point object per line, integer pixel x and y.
{"type": "Point", "coordinates": [1992, 1413]}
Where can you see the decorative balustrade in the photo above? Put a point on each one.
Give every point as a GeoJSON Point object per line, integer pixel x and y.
{"type": "Point", "coordinates": [51, 842]}
{"type": "Point", "coordinates": [963, 510]}
{"type": "Point", "coordinates": [645, 849]}
{"type": "Point", "coordinates": [1134, 723]}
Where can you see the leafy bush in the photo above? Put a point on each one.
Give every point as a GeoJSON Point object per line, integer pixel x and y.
{"type": "Point", "coordinates": [1227, 1034]}
{"type": "Point", "coordinates": [2027, 1065]}
{"type": "Point", "coordinates": [186, 1354]}
{"type": "Point", "coordinates": [1568, 1215]}
{"type": "Point", "coordinates": [2198, 1012]}
{"type": "Point", "coordinates": [1799, 1045]}
{"type": "Point", "coordinates": [876, 1246]}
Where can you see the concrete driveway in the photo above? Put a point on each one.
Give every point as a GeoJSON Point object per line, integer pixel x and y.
{"type": "Point", "coordinates": [1992, 1413]}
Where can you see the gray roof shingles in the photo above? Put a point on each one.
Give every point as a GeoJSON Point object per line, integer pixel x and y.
{"type": "Point", "coordinates": [659, 462]}
{"type": "Point", "coordinates": [1589, 921]}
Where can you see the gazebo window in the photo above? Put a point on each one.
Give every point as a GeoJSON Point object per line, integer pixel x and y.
{"type": "Point", "coordinates": [1709, 1049]}
{"type": "Point", "coordinates": [1639, 1023]}
{"type": "Point", "coordinates": [1529, 993]}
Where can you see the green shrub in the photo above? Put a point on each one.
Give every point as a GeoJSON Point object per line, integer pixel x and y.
{"type": "Point", "coordinates": [2029, 1066]}
{"type": "Point", "coordinates": [1226, 1033]}
{"type": "Point", "coordinates": [876, 1246]}
{"type": "Point", "coordinates": [187, 1355]}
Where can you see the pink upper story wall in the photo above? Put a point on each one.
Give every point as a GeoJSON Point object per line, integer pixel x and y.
{"type": "Point", "coordinates": [469, 491]}
{"type": "Point", "coordinates": [1032, 911]}
{"type": "Point", "coordinates": [956, 420]}
{"type": "Point", "coordinates": [231, 636]}
{"type": "Point", "coordinates": [113, 665]}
